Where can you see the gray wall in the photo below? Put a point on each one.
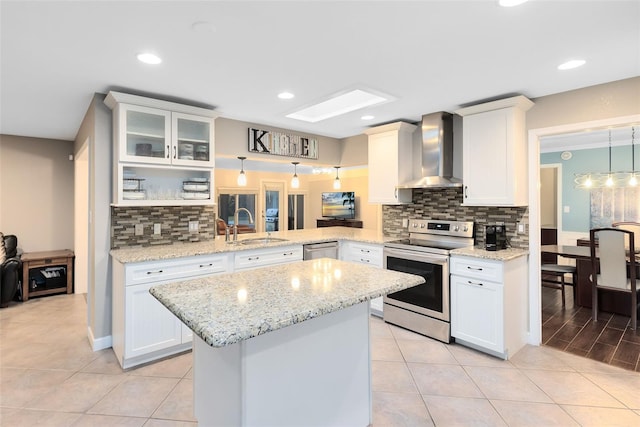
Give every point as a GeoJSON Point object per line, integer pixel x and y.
{"type": "Point", "coordinates": [614, 99]}
{"type": "Point", "coordinates": [232, 141]}
{"type": "Point", "coordinates": [96, 127]}
{"type": "Point", "coordinates": [36, 192]}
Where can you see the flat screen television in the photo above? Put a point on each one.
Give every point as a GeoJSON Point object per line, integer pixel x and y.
{"type": "Point", "coordinates": [339, 204]}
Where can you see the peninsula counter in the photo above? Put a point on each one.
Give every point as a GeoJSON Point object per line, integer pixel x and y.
{"type": "Point", "coordinates": [283, 345]}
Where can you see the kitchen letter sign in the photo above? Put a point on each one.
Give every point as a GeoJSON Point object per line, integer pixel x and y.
{"type": "Point", "coordinates": [282, 144]}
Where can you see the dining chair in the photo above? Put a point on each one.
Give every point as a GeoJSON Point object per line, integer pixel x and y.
{"type": "Point", "coordinates": [631, 226]}
{"type": "Point", "coordinates": [612, 261]}
{"type": "Point", "coordinates": [558, 281]}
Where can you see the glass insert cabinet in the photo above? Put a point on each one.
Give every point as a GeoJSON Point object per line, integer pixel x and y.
{"type": "Point", "coordinates": [164, 152]}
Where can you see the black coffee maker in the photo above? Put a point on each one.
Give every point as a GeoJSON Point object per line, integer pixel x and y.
{"type": "Point", "coordinates": [495, 238]}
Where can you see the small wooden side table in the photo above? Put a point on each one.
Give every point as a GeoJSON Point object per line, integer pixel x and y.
{"type": "Point", "coordinates": [42, 259]}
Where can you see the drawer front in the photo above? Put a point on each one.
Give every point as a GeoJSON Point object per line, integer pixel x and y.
{"type": "Point", "coordinates": [477, 268]}
{"type": "Point", "coordinates": [363, 254]}
{"type": "Point", "coordinates": [263, 258]}
{"type": "Point", "coordinates": [178, 269]}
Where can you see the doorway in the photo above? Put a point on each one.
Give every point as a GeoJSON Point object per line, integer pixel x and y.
{"type": "Point", "coordinates": [534, 137]}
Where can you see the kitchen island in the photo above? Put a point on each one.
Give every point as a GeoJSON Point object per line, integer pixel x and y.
{"type": "Point", "coordinates": [283, 345]}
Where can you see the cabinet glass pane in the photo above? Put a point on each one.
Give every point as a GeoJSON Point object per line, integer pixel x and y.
{"type": "Point", "coordinates": [145, 134]}
{"type": "Point", "coordinates": [193, 140]}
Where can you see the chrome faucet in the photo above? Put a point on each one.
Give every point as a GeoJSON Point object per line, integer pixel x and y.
{"type": "Point", "coordinates": [235, 222]}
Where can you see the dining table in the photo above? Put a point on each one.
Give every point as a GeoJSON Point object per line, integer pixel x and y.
{"type": "Point", "coordinates": [609, 301]}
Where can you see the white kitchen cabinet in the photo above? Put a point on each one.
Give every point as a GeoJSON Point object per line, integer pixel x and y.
{"type": "Point", "coordinates": [365, 253]}
{"type": "Point", "coordinates": [495, 153]}
{"type": "Point", "coordinates": [489, 304]}
{"type": "Point", "coordinates": [391, 162]}
{"type": "Point", "coordinates": [164, 152]}
{"type": "Point", "coordinates": [142, 328]}
{"type": "Point", "coordinates": [245, 260]}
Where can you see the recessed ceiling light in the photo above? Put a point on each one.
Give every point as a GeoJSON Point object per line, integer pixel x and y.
{"type": "Point", "coordinates": [511, 3]}
{"type": "Point", "coordinates": [574, 63]}
{"type": "Point", "coordinates": [285, 95]}
{"type": "Point", "coordinates": [341, 104]}
{"type": "Point", "coordinates": [203, 27]}
{"type": "Point", "coordinates": [149, 58]}
{"type": "Point", "coordinates": [367, 117]}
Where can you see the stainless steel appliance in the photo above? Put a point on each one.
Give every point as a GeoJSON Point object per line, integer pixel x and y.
{"type": "Point", "coordinates": [320, 250]}
{"type": "Point", "coordinates": [425, 308]}
{"type": "Point", "coordinates": [495, 237]}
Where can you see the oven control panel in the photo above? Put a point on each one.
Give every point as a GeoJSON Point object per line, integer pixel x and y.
{"type": "Point", "coordinates": [442, 227]}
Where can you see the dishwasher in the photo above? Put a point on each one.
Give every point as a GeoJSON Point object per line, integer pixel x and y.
{"type": "Point", "coordinates": [320, 250]}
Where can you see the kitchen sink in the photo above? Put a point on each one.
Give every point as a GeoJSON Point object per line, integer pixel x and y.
{"type": "Point", "coordinates": [263, 240]}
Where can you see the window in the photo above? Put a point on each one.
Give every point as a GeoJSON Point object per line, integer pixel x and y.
{"type": "Point", "coordinates": [295, 214]}
{"type": "Point", "coordinates": [229, 202]}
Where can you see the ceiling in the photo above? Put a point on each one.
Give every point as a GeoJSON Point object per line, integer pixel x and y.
{"type": "Point", "coordinates": [237, 56]}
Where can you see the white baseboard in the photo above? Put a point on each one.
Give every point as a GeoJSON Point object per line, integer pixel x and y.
{"type": "Point", "coordinates": [99, 343]}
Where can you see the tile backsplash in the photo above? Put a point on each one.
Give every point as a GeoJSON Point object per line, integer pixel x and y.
{"type": "Point", "coordinates": [445, 203]}
{"type": "Point", "coordinates": [173, 220]}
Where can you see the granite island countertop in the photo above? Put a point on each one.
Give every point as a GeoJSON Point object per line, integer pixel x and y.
{"type": "Point", "coordinates": [229, 308]}
{"type": "Point", "coordinates": [218, 245]}
{"type": "Point", "coordinates": [502, 255]}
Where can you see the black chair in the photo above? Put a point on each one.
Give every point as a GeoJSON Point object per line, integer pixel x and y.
{"type": "Point", "coordinates": [10, 269]}
{"type": "Point", "coordinates": [557, 281]}
{"type": "Point", "coordinates": [615, 267]}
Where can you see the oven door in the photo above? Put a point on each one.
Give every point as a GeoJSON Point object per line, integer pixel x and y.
{"type": "Point", "coordinates": [430, 298]}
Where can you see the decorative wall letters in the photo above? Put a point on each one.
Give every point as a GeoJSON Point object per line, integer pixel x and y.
{"type": "Point", "coordinates": [282, 144]}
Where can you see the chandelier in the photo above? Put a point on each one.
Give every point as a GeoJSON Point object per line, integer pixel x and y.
{"type": "Point", "coordinates": [610, 179]}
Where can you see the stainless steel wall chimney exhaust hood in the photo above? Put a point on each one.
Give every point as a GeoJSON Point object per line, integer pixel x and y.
{"type": "Point", "coordinates": [436, 153]}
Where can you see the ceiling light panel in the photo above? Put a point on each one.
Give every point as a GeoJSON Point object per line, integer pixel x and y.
{"type": "Point", "coordinates": [149, 58]}
{"type": "Point", "coordinates": [341, 104]}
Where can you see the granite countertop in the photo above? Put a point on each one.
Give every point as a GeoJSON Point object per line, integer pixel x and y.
{"type": "Point", "coordinates": [229, 308]}
{"type": "Point", "coordinates": [218, 245]}
{"type": "Point", "coordinates": [479, 252]}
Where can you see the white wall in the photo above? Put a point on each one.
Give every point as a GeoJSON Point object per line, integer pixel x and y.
{"type": "Point", "coordinates": [36, 184]}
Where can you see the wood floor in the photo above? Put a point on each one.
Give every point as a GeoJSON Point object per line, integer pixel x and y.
{"type": "Point", "coordinates": [571, 329]}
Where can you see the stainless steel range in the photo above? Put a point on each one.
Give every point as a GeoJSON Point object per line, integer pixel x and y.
{"type": "Point", "coordinates": [425, 308]}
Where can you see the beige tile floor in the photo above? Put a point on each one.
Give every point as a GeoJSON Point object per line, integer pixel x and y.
{"type": "Point", "coordinates": [50, 377]}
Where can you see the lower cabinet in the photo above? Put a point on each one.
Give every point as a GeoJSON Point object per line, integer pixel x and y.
{"type": "Point", "coordinates": [257, 258]}
{"type": "Point", "coordinates": [143, 329]}
{"type": "Point", "coordinates": [489, 304]}
{"type": "Point", "coordinates": [364, 253]}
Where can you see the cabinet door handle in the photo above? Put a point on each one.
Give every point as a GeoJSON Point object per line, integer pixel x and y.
{"type": "Point", "coordinates": [466, 191]}
{"type": "Point", "coordinates": [287, 253]}
{"type": "Point", "coordinates": [396, 194]}
{"type": "Point", "coordinates": [474, 283]}
{"type": "Point", "coordinates": [364, 251]}
{"type": "Point", "coordinates": [175, 151]}
{"type": "Point", "coordinates": [474, 268]}
{"type": "Point", "coordinates": [364, 260]}
{"type": "Point", "coordinates": [168, 151]}
{"type": "Point", "coordinates": [206, 265]}
{"type": "Point", "coordinates": [253, 258]}
{"type": "Point", "coordinates": [154, 272]}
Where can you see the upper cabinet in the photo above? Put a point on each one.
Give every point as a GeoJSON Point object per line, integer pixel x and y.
{"type": "Point", "coordinates": [163, 152]}
{"type": "Point", "coordinates": [390, 162]}
{"type": "Point", "coordinates": [495, 153]}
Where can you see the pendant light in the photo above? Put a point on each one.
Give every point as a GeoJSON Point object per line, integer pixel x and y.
{"type": "Point", "coordinates": [633, 181]}
{"type": "Point", "coordinates": [609, 182]}
{"type": "Point", "coordinates": [242, 178]}
{"type": "Point", "coordinates": [295, 182]}
{"type": "Point", "coordinates": [336, 182]}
